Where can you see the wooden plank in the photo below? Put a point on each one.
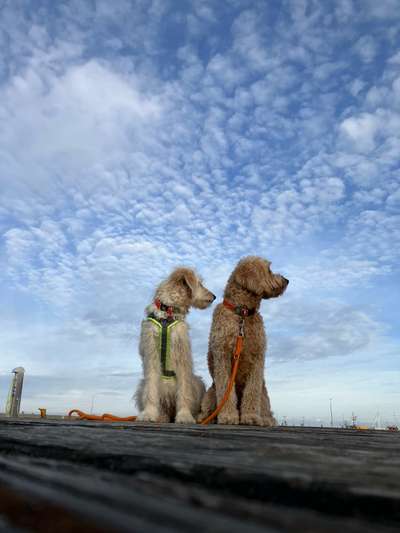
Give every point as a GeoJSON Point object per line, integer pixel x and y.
{"type": "Point", "coordinates": [147, 503]}
{"type": "Point", "coordinates": [125, 506]}
{"type": "Point", "coordinates": [325, 475]}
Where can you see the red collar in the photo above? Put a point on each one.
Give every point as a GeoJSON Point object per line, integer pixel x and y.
{"type": "Point", "coordinates": [241, 310]}
{"type": "Point", "coordinates": [171, 310]}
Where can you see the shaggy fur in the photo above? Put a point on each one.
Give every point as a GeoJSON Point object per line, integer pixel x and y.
{"type": "Point", "coordinates": [176, 399]}
{"type": "Point", "coordinates": [250, 282]}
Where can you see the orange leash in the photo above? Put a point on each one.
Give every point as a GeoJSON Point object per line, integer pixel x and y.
{"type": "Point", "coordinates": [236, 358]}
{"type": "Point", "coordinates": [107, 417]}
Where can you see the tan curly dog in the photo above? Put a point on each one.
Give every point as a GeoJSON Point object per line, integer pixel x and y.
{"type": "Point", "coordinates": [251, 281]}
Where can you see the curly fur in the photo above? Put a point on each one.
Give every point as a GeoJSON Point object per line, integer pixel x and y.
{"type": "Point", "coordinates": [177, 399]}
{"type": "Point", "coordinates": [250, 282]}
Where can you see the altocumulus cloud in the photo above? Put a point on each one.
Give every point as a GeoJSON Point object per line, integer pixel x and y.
{"type": "Point", "coordinates": [143, 136]}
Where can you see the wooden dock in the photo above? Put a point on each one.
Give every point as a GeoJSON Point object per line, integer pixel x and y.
{"type": "Point", "coordinates": [70, 476]}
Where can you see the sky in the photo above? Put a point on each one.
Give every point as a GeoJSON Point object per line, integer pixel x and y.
{"type": "Point", "coordinates": [136, 136]}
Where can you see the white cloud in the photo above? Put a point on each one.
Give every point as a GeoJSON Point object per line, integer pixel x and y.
{"type": "Point", "coordinates": [366, 48]}
{"type": "Point", "coordinates": [361, 131]}
{"type": "Point", "coordinates": [356, 86]}
{"type": "Point", "coordinates": [386, 9]}
{"type": "Point", "coordinates": [79, 118]}
{"type": "Point", "coordinates": [394, 198]}
{"type": "Point", "coordinates": [325, 330]}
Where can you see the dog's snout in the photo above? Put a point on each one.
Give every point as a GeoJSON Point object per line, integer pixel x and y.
{"type": "Point", "coordinates": [285, 280]}
{"type": "Point", "coordinates": [213, 296]}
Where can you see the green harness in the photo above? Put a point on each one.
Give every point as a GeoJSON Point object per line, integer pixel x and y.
{"type": "Point", "coordinates": [164, 326]}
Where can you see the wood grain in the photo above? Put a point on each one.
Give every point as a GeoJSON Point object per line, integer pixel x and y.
{"type": "Point", "coordinates": [138, 477]}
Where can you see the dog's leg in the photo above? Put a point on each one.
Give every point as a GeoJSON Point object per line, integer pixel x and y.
{"type": "Point", "coordinates": [164, 417]}
{"type": "Point", "coordinates": [199, 390]}
{"type": "Point", "coordinates": [222, 371]}
{"type": "Point", "coordinates": [266, 413]}
{"type": "Point", "coordinates": [250, 408]}
{"type": "Point", "coordinates": [208, 403]}
{"type": "Point", "coordinates": [151, 369]}
{"type": "Point", "coordinates": [182, 355]}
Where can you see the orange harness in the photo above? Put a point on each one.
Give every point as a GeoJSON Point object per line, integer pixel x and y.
{"type": "Point", "coordinates": [107, 417]}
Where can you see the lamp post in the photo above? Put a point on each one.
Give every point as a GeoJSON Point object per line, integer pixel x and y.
{"type": "Point", "coordinates": [92, 404]}
{"type": "Point", "coordinates": [330, 408]}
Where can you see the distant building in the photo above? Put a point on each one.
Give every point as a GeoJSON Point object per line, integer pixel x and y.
{"type": "Point", "coordinates": [15, 393]}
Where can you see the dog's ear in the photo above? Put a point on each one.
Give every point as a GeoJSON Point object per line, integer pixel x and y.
{"type": "Point", "coordinates": [250, 274]}
{"type": "Point", "coordinates": [187, 276]}
{"type": "Point", "coordinates": [190, 279]}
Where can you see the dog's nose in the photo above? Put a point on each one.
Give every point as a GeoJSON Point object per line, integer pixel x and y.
{"type": "Point", "coordinates": [213, 296]}
{"type": "Point", "coordinates": [286, 280]}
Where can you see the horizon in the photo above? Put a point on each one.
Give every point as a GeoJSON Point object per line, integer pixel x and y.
{"type": "Point", "coordinates": [376, 422]}
{"type": "Point", "coordinates": [142, 136]}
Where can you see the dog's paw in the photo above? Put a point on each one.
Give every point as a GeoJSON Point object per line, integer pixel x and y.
{"type": "Point", "coordinates": [251, 419]}
{"type": "Point", "coordinates": [229, 418]}
{"type": "Point", "coordinates": [184, 417]}
{"type": "Point", "coordinates": [149, 415]}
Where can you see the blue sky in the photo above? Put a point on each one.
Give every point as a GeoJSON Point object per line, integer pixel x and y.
{"type": "Point", "coordinates": [137, 136]}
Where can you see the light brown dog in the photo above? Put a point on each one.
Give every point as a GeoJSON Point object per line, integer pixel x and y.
{"type": "Point", "coordinates": [170, 391]}
{"type": "Point", "coordinates": [250, 282]}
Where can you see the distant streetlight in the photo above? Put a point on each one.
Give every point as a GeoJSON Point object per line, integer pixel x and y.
{"type": "Point", "coordinates": [330, 407]}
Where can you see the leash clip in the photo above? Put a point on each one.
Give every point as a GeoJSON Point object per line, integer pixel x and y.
{"type": "Point", "coordinates": [241, 327]}
{"type": "Point", "coordinates": [242, 311]}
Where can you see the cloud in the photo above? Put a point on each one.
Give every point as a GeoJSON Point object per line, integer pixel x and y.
{"type": "Point", "coordinates": [83, 116]}
{"type": "Point", "coordinates": [361, 131]}
{"type": "Point", "coordinates": [384, 10]}
{"type": "Point", "coordinates": [324, 329]}
{"type": "Point", "coordinates": [366, 48]}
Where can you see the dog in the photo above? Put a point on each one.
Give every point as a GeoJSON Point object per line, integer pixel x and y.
{"type": "Point", "coordinates": [170, 391]}
{"type": "Point", "coordinates": [251, 281]}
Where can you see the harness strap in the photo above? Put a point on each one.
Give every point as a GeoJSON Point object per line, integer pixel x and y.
{"type": "Point", "coordinates": [164, 326]}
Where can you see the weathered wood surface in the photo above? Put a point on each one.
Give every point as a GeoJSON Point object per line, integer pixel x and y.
{"type": "Point", "coordinates": [85, 476]}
